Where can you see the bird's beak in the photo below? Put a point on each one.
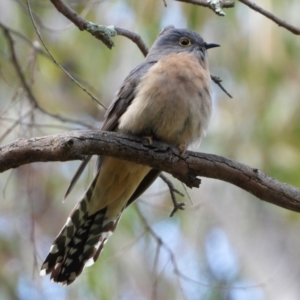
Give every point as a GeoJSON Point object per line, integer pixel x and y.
{"type": "Point", "coordinates": [211, 45]}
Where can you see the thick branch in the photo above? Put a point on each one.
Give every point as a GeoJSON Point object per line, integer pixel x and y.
{"type": "Point", "coordinates": [75, 144]}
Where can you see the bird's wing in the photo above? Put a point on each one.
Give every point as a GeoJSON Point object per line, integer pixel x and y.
{"type": "Point", "coordinates": [143, 186]}
{"type": "Point", "coordinates": [119, 105]}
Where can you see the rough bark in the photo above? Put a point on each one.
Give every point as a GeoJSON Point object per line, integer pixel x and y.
{"type": "Point", "coordinates": [75, 145]}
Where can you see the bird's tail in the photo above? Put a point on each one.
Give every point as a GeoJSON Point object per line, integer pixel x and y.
{"type": "Point", "coordinates": [79, 243]}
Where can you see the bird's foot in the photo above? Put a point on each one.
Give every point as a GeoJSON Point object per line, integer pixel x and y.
{"type": "Point", "coordinates": [149, 139]}
{"type": "Point", "coordinates": [182, 149]}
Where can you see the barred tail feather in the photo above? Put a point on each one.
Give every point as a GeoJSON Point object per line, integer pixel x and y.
{"type": "Point", "coordinates": [79, 243]}
{"type": "Point", "coordinates": [93, 219]}
{"type": "Point", "coordinates": [75, 248]}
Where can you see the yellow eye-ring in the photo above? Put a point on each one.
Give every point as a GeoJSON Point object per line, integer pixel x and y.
{"type": "Point", "coordinates": [184, 42]}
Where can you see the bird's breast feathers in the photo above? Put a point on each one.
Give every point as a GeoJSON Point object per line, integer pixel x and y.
{"type": "Point", "coordinates": [172, 103]}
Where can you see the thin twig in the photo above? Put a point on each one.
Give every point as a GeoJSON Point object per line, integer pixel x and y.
{"type": "Point", "coordinates": [38, 18]}
{"type": "Point", "coordinates": [181, 275]}
{"type": "Point", "coordinates": [18, 67]}
{"type": "Point", "coordinates": [217, 80]}
{"type": "Point", "coordinates": [103, 33]}
{"type": "Point", "coordinates": [34, 45]}
{"type": "Point", "coordinates": [205, 3]}
{"type": "Point", "coordinates": [12, 127]}
{"type": "Point", "coordinates": [187, 193]}
{"type": "Point", "coordinates": [30, 95]}
{"type": "Point", "coordinates": [37, 47]}
{"type": "Point", "coordinates": [154, 271]}
{"type": "Point", "coordinates": [133, 37]}
{"type": "Point", "coordinates": [177, 205]}
{"type": "Point", "coordinates": [215, 6]}
{"type": "Point", "coordinates": [163, 245]}
{"type": "Point", "coordinates": [35, 124]}
{"type": "Point", "coordinates": [269, 15]}
{"type": "Point", "coordinates": [56, 62]}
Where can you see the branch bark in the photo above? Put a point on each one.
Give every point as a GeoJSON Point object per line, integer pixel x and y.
{"type": "Point", "coordinates": [269, 15]}
{"type": "Point", "coordinates": [215, 5]}
{"type": "Point", "coordinates": [103, 33]}
{"type": "Point", "coordinates": [74, 145]}
{"type": "Point", "coordinates": [205, 3]}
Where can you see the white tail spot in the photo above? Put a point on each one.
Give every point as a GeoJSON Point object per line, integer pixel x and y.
{"type": "Point", "coordinates": [57, 265]}
{"type": "Point", "coordinates": [89, 262]}
{"type": "Point", "coordinates": [69, 222]}
{"type": "Point", "coordinates": [97, 245]}
{"type": "Point", "coordinates": [43, 272]}
{"type": "Point", "coordinates": [53, 249]}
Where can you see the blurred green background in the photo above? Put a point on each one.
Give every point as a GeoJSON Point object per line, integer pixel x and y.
{"type": "Point", "coordinates": [227, 244]}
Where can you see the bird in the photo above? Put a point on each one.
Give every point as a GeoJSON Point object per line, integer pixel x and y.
{"type": "Point", "coordinates": [166, 98]}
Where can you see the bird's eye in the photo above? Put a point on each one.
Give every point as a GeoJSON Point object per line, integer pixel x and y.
{"type": "Point", "coordinates": [184, 42]}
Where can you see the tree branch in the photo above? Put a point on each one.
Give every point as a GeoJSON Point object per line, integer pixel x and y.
{"type": "Point", "coordinates": [103, 33]}
{"type": "Point", "coordinates": [56, 62]}
{"type": "Point", "coordinates": [206, 3]}
{"type": "Point", "coordinates": [76, 144]}
{"type": "Point", "coordinates": [176, 205]}
{"type": "Point", "coordinates": [215, 5]}
{"type": "Point", "coordinates": [269, 15]}
{"type": "Point", "coordinates": [26, 86]}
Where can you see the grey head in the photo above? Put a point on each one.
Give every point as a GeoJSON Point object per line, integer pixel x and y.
{"type": "Point", "coordinates": [177, 40]}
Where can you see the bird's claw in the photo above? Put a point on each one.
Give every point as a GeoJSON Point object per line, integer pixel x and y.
{"type": "Point", "coordinates": [149, 139]}
{"type": "Point", "coordinates": [182, 149]}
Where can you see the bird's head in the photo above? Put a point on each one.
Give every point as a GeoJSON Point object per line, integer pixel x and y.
{"type": "Point", "coordinates": [176, 40]}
